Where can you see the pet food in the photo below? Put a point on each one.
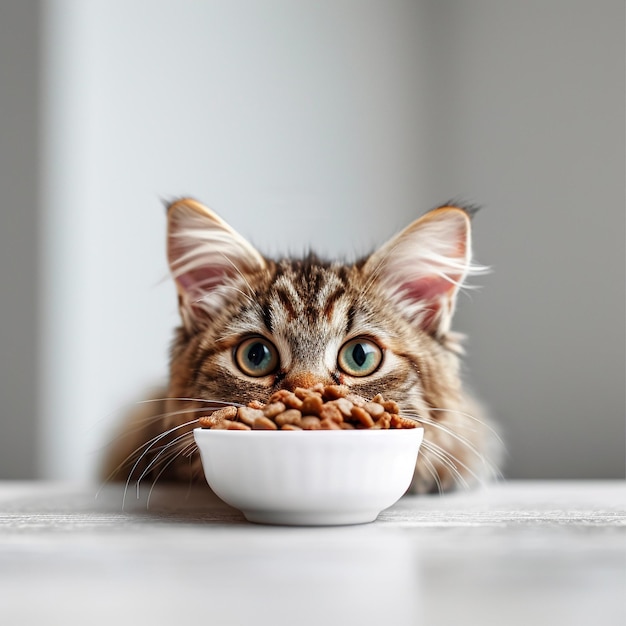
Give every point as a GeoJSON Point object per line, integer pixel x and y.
{"type": "Point", "coordinates": [330, 407]}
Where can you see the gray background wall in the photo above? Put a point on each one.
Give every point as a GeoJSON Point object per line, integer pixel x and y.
{"type": "Point", "coordinates": [329, 124]}
{"type": "Point", "coordinates": [19, 254]}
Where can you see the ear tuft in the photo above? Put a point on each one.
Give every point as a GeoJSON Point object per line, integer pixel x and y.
{"type": "Point", "coordinates": [423, 268]}
{"type": "Point", "coordinates": [207, 259]}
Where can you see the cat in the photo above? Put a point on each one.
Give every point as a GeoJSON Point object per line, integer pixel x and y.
{"type": "Point", "coordinates": [251, 325]}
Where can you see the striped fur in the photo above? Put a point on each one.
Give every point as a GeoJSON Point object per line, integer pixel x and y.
{"type": "Point", "coordinates": [402, 297]}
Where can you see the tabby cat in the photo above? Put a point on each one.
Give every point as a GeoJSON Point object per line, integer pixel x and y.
{"type": "Point", "coordinates": [252, 325]}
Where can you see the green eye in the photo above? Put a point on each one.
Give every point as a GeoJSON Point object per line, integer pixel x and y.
{"type": "Point", "coordinates": [256, 357]}
{"type": "Point", "coordinates": [360, 357]}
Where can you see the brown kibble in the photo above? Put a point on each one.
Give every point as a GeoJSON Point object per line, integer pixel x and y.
{"type": "Point", "coordinates": [288, 398]}
{"type": "Point", "coordinates": [273, 409]}
{"type": "Point", "coordinates": [362, 416]}
{"type": "Point", "coordinates": [384, 421]}
{"type": "Point", "coordinates": [208, 421]}
{"type": "Point", "coordinates": [402, 422]}
{"type": "Point", "coordinates": [293, 402]}
{"type": "Point", "coordinates": [302, 392]}
{"type": "Point", "coordinates": [290, 416]}
{"type": "Point", "coordinates": [216, 417]}
{"type": "Point", "coordinates": [331, 412]}
{"type": "Point", "coordinates": [391, 406]}
{"type": "Point", "coordinates": [280, 395]}
{"type": "Point", "coordinates": [374, 409]}
{"type": "Point", "coordinates": [344, 405]}
{"type": "Point", "coordinates": [334, 392]}
{"type": "Point", "coordinates": [247, 414]}
{"type": "Point", "coordinates": [356, 400]}
{"type": "Point", "coordinates": [320, 407]}
{"type": "Point", "coordinates": [264, 423]}
{"type": "Point", "coordinates": [227, 412]}
{"type": "Point", "coordinates": [312, 405]}
{"type": "Point", "coordinates": [310, 422]}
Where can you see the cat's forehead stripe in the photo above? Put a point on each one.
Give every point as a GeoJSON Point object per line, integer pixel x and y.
{"type": "Point", "coordinates": [331, 300]}
{"type": "Point", "coordinates": [307, 290]}
{"type": "Point", "coordinates": [287, 301]}
{"type": "Point", "coordinates": [267, 318]}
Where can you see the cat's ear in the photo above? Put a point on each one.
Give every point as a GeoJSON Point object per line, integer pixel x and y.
{"type": "Point", "coordinates": [207, 258]}
{"type": "Point", "coordinates": [422, 268]}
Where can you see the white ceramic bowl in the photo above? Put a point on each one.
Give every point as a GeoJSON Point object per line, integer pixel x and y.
{"type": "Point", "coordinates": [316, 478]}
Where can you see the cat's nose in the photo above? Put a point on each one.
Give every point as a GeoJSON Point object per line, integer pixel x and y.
{"type": "Point", "coordinates": [303, 379]}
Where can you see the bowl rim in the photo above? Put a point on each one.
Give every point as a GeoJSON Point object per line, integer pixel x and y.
{"type": "Point", "coordinates": [223, 432]}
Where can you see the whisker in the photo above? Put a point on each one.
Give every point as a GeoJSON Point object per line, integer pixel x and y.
{"type": "Point", "coordinates": [192, 473]}
{"type": "Point", "coordinates": [154, 482]}
{"type": "Point", "coordinates": [448, 460]}
{"type": "Point", "coordinates": [141, 423]}
{"type": "Point", "coordinates": [158, 456]}
{"type": "Point", "coordinates": [148, 447]}
{"type": "Point", "coordinates": [162, 416]}
{"type": "Point", "coordinates": [491, 469]}
{"type": "Point", "coordinates": [433, 472]}
{"type": "Point", "coordinates": [183, 399]}
{"type": "Point", "coordinates": [448, 431]}
{"type": "Point", "coordinates": [165, 398]}
{"type": "Point", "coordinates": [469, 416]}
{"type": "Point", "coordinates": [140, 451]}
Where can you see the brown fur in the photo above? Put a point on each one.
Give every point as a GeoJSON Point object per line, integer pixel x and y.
{"type": "Point", "coordinates": [308, 309]}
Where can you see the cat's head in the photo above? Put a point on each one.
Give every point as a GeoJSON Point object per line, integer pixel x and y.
{"type": "Point", "coordinates": [251, 325]}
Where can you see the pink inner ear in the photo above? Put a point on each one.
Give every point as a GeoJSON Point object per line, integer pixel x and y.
{"type": "Point", "coordinates": [433, 293]}
{"type": "Point", "coordinates": [427, 288]}
{"type": "Point", "coordinates": [198, 278]}
{"type": "Point", "coordinates": [203, 278]}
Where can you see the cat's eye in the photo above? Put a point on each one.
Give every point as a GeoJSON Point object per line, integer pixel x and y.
{"type": "Point", "coordinates": [359, 357]}
{"type": "Point", "coordinates": [256, 357]}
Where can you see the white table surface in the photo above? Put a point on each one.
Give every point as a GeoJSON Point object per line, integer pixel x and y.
{"type": "Point", "coordinates": [515, 553]}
